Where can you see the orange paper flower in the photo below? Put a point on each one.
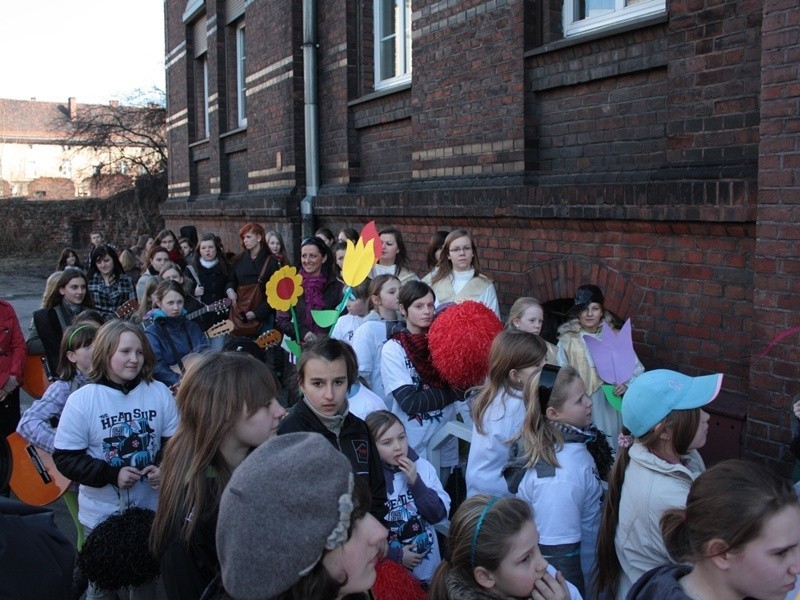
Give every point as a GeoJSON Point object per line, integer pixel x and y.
{"type": "Point", "coordinates": [284, 288]}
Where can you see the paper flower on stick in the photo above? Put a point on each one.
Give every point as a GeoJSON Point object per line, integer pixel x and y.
{"type": "Point", "coordinates": [614, 358]}
{"type": "Point", "coordinates": [358, 262]}
{"type": "Point", "coordinates": [284, 289]}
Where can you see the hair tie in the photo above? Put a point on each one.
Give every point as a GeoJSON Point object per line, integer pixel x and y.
{"type": "Point", "coordinates": [478, 529]}
{"type": "Point", "coordinates": [624, 441]}
{"type": "Point", "coordinates": [72, 336]}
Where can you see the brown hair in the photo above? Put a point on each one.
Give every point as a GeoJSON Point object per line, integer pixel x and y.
{"type": "Point", "coordinates": [166, 286]}
{"type": "Point", "coordinates": [540, 439]}
{"type": "Point", "coordinates": [752, 495]}
{"type": "Point", "coordinates": [444, 267]}
{"type": "Point", "coordinates": [74, 338]}
{"type": "Point", "coordinates": [413, 290]}
{"type": "Point", "coordinates": [329, 350]}
{"type": "Point", "coordinates": [500, 523]}
{"type": "Point", "coordinates": [54, 297]}
{"type": "Point", "coordinates": [401, 260]}
{"type": "Point", "coordinates": [436, 243]}
{"type": "Point", "coordinates": [106, 343]}
{"type": "Point", "coordinates": [230, 384]}
{"type": "Point", "coordinates": [684, 424]}
{"type": "Point", "coordinates": [257, 230]}
{"type": "Point", "coordinates": [150, 285]}
{"type": "Point", "coordinates": [155, 249]}
{"type": "Point", "coordinates": [510, 350]}
{"type": "Point", "coordinates": [375, 287]}
{"type": "Point", "coordinates": [379, 421]}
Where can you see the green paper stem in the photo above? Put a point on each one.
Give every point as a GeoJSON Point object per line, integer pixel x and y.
{"type": "Point", "coordinates": [294, 322]}
{"type": "Point", "coordinates": [614, 400]}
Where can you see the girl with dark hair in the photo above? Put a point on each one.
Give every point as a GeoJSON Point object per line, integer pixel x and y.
{"type": "Point", "coordinates": [214, 278]}
{"type": "Point", "coordinates": [494, 553]}
{"type": "Point", "coordinates": [68, 258]}
{"type": "Point", "coordinates": [655, 466]}
{"type": "Point", "coordinates": [326, 370]}
{"type": "Point", "coordinates": [321, 290]}
{"type": "Point", "coordinates": [326, 235]}
{"type": "Point", "coordinates": [736, 538]}
{"type": "Point", "coordinates": [348, 233]}
{"type": "Point", "coordinates": [458, 273]}
{"type": "Point", "coordinates": [394, 256]}
{"type": "Point", "coordinates": [108, 284]}
{"type": "Point", "coordinates": [240, 411]}
{"type": "Point", "coordinates": [420, 396]}
{"type": "Point", "coordinates": [435, 246]}
{"type": "Point", "coordinates": [68, 297]}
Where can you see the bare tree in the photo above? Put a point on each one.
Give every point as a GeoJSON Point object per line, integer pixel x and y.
{"type": "Point", "coordinates": [131, 134]}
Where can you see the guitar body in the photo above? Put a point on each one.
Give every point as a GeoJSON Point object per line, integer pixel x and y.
{"type": "Point", "coordinates": [34, 477]}
{"type": "Point", "coordinates": [34, 376]}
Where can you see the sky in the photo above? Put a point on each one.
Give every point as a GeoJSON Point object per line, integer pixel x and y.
{"type": "Point", "coordinates": [94, 50]}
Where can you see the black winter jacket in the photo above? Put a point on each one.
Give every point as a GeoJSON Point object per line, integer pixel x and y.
{"type": "Point", "coordinates": [354, 441]}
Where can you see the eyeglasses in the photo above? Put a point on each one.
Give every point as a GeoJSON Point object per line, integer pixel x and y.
{"type": "Point", "coordinates": [464, 249]}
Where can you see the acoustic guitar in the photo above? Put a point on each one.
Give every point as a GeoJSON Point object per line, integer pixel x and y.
{"type": "Point", "coordinates": [36, 376]}
{"type": "Point", "coordinates": [216, 330]}
{"type": "Point", "coordinates": [127, 309]}
{"type": "Point", "coordinates": [220, 306]}
{"type": "Point", "coordinates": [268, 339]}
{"type": "Point", "coordinates": [34, 477]}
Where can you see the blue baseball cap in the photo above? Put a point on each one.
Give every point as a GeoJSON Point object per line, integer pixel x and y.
{"type": "Point", "coordinates": [655, 394]}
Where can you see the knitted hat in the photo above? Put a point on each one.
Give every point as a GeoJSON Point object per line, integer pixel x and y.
{"type": "Point", "coordinates": [288, 502]}
{"type": "Point", "coordinates": [585, 295]}
{"type": "Point", "coordinates": [655, 394]}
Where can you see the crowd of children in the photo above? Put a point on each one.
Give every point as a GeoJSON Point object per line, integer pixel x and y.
{"type": "Point", "coordinates": [568, 493]}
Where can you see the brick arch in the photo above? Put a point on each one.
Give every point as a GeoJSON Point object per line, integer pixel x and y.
{"type": "Point", "coordinates": [558, 279]}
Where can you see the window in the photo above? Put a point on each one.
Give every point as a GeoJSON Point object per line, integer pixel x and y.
{"type": "Point", "coordinates": [582, 16]}
{"type": "Point", "coordinates": [206, 123]}
{"type": "Point", "coordinates": [392, 42]}
{"type": "Point", "coordinates": [241, 74]}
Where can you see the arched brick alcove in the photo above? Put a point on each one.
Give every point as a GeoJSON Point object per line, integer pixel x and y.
{"type": "Point", "coordinates": [558, 279]}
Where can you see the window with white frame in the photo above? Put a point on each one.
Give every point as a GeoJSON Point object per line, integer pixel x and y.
{"type": "Point", "coordinates": [206, 122]}
{"type": "Point", "coordinates": [241, 75]}
{"type": "Point", "coordinates": [583, 16]}
{"type": "Point", "coordinates": [392, 42]}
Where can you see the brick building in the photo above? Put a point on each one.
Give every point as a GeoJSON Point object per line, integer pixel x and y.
{"type": "Point", "coordinates": [648, 146]}
{"type": "Point", "coordinates": [40, 156]}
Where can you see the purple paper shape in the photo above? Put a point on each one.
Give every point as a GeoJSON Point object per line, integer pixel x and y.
{"type": "Point", "coordinates": [613, 354]}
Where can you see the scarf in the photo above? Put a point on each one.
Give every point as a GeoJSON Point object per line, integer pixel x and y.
{"type": "Point", "coordinates": [390, 470]}
{"type": "Point", "coordinates": [416, 347]}
{"type": "Point", "coordinates": [313, 286]}
{"type": "Point", "coordinates": [595, 442]}
{"type": "Point", "coordinates": [207, 264]}
{"type": "Point", "coordinates": [332, 423]}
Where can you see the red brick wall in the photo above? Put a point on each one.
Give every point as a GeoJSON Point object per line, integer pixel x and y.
{"type": "Point", "coordinates": [776, 280]}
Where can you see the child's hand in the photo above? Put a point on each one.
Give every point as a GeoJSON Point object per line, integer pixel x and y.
{"type": "Point", "coordinates": [621, 389]}
{"type": "Point", "coordinates": [153, 474]}
{"type": "Point", "coordinates": [548, 588]}
{"type": "Point", "coordinates": [408, 468]}
{"type": "Point", "coordinates": [199, 291]}
{"type": "Point", "coordinates": [127, 477]}
{"type": "Point", "coordinates": [796, 409]}
{"type": "Point", "coordinates": [410, 559]}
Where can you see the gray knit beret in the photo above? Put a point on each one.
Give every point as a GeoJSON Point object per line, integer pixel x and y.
{"type": "Point", "coordinates": [289, 501]}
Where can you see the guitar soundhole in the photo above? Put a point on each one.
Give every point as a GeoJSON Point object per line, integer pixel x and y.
{"type": "Point", "coordinates": [37, 462]}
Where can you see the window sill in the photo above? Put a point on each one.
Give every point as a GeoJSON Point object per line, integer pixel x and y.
{"type": "Point", "coordinates": [590, 36]}
{"type": "Point", "coordinates": [233, 132]}
{"type": "Point", "coordinates": [199, 143]}
{"type": "Point", "coordinates": [402, 87]}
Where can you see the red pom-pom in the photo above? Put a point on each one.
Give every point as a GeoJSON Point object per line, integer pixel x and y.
{"type": "Point", "coordinates": [459, 340]}
{"type": "Point", "coordinates": [395, 582]}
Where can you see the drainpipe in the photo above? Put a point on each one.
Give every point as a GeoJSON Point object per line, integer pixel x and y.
{"type": "Point", "coordinates": [311, 130]}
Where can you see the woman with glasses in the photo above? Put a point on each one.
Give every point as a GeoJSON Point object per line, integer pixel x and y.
{"type": "Point", "coordinates": [458, 274]}
{"type": "Point", "coordinates": [321, 290]}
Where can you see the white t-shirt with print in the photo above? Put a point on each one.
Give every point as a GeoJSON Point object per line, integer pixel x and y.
{"type": "Point", "coordinates": [408, 527]}
{"type": "Point", "coordinates": [122, 430]}
{"type": "Point", "coordinates": [397, 370]}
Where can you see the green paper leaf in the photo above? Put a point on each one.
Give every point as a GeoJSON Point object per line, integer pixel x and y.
{"type": "Point", "coordinates": [614, 400]}
{"type": "Point", "coordinates": [325, 318]}
{"type": "Point", "coordinates": [293, 347]}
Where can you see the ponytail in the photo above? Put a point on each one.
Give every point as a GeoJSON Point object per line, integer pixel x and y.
{"type": "Point", "coordinates": [675, 532]}
{"type": "Point", "coordinates": [541, 440]}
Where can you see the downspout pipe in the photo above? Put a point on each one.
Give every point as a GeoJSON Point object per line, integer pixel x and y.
{"type": "Point", "coordinates": [311, 118]}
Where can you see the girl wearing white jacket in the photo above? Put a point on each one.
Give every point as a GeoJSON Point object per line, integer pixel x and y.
{"type": "Point", "coordinates": [653, 471]}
